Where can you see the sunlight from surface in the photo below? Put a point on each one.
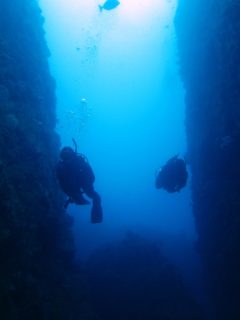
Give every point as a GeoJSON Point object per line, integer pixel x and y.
{"type": "Point", "coordinates": [96, 43]}
{"type": "Point", "coordinates": [138, 11]}
{"type": "Point", "coordinates": [135, 11]}
{"type": "Point", "coordinates": [119, 95]}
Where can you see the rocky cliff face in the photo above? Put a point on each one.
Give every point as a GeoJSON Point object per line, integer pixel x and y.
{"type": "Point", "coordinates": [209, 50]}
{"type": "Point", "coordinates": [36, 247]}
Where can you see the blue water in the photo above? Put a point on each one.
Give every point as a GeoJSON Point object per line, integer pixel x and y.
{"type": "Point", "coordinates": [119, 94]}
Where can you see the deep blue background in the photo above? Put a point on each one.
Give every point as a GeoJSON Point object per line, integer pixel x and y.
{"type": "Point", "coordinates": [120, 96]}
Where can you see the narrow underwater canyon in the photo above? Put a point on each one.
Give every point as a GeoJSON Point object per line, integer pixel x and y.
{"type": "Point", "coordinates": [40, 278]}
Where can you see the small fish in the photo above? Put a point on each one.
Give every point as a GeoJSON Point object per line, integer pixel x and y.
{"type": "Point", "coordinates": [109, 5]}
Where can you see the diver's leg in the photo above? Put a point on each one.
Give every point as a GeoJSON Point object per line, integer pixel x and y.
{"type": "Point", "coordinates": [96, 212]}
{"type": "Point", "coordinates": [68, 201]}
{"type": "Point", "coordinates": [79, 199]}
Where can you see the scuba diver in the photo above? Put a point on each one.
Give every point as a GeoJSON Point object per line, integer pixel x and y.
{"type": "Point", "coordinates": [76, 179]}
{"type": "Point", "coordinates": [172, 177]}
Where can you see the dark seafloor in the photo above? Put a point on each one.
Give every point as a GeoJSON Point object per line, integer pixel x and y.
{"type": "Point", "coordinates": [39, 278]}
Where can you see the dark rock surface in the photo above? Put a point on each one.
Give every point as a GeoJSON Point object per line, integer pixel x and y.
{"type": "Point", "coordinates": [37, 280]}
{"type": "Point", "coordinates": [209, 49]}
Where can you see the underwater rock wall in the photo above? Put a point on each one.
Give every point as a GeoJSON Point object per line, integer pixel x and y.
{"type": "Point", "coordinates": [209, 50]}
{"type": "Point", "coordinates": [36, 244]}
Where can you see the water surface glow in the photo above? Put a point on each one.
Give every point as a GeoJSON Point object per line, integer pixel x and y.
{"type": "Point", "coordinates": [119, 94]}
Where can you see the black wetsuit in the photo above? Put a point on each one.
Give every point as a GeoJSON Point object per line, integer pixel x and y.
{"type": "Point", "coordinates": [76, 178]}
{"type": "Point", "coordinates": [173, 176]}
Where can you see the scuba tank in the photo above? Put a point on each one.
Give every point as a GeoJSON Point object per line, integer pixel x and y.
{"type": "Point", "coordinates": [86, 170]}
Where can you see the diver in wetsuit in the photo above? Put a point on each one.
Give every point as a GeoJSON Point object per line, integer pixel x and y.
{"type": "Point", "coordinates": [76, 178]}
{"type": "Point", "coordinates": [172, 177]}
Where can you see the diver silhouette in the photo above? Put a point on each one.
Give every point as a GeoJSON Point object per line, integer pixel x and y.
{"type": "Point", "coordinates": [76, 178]}
{"type": "Point", "coordinates": [172, 177]}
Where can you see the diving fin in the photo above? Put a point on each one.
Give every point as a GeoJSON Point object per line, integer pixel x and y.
{"type": "Point", "coordinates": [96, 213]}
